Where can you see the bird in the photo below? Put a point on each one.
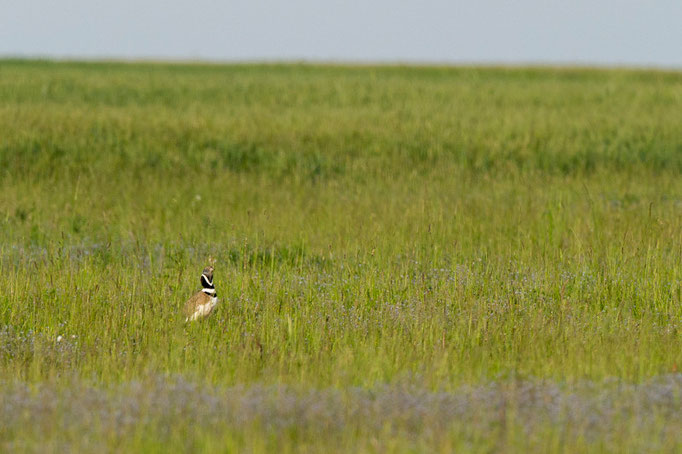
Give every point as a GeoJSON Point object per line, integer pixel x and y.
{"type": "Point", "coordinates": [201, 304]}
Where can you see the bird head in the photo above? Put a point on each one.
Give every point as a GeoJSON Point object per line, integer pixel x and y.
{"type": "Point", "coordinates": [207, 277]}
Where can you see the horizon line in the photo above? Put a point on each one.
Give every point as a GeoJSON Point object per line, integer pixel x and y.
{"type": "Point", "coordinates": [360, 62]}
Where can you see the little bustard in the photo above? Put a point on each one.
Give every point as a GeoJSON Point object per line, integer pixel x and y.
{"type": "Point", "coordinates": [202, 303]}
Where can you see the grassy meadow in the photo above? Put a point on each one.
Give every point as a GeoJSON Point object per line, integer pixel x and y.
{"type": "Point", "coordinates": [409, 259]}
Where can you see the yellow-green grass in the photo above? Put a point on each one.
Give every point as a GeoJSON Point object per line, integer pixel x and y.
{"type": "Point", "coordinates": [438, 228]}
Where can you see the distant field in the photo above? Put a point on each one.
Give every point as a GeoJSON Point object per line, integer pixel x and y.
{"type": "Point", "coordinates": [409, 259]}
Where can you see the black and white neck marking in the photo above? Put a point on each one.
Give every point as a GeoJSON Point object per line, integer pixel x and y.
{"type": "Point", "coordinates": [207, 285]}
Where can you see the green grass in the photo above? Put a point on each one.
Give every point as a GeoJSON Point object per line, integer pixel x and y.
{"type": "Point", "coordinates": [435, 228]}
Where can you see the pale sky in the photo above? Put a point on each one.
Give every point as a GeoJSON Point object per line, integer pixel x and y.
{"type": "Point", "coordinates": [592, 32]}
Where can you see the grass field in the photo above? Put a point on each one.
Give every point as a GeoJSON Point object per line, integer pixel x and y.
{"type": "Point", "coordinates": [408, 259]}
